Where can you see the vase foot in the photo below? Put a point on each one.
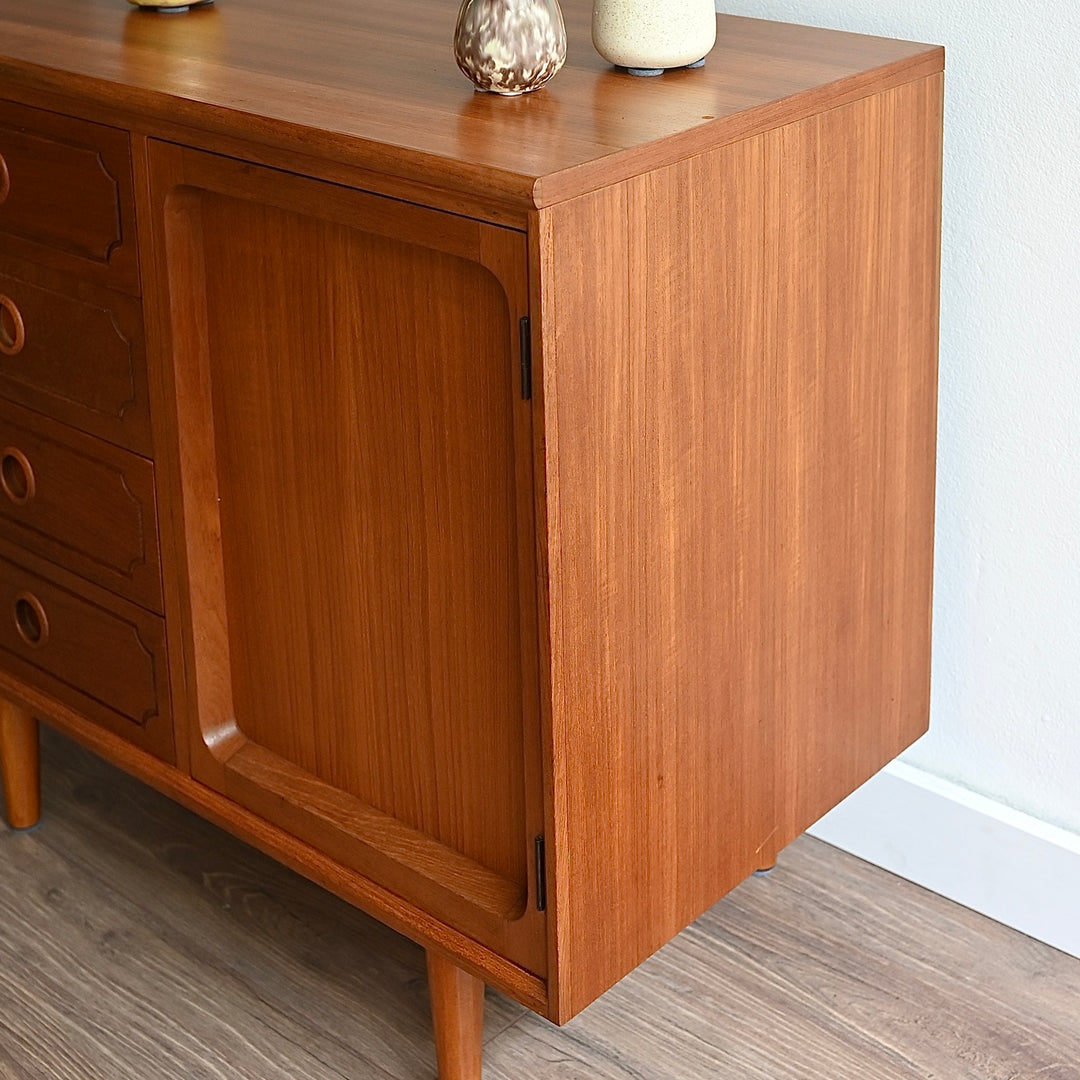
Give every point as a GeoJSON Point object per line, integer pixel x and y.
{"type": "Point", "coordinates": [648, 72]}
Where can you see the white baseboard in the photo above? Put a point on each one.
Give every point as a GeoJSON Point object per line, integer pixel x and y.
{"type": "Point", "coordinates": [997, 861]}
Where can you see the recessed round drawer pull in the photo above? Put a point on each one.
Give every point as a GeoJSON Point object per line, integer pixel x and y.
{"type": "Point", "coordinates": [30, 620]}
{"type": "Point", "coordinates": [5, 179]}
{"type": "Point", "coordinates": [12, 330]}
{"type": "Point", "coordinates": [17, 476]}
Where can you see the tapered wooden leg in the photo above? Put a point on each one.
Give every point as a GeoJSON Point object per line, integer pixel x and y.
{"type": "Point", "coordinates": [19, 765]}
{"type": "Point", "coordinates": [457, 1014]}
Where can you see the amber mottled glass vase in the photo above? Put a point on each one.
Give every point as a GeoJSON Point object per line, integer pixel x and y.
{"type": "Point", "coordinates": [510, 47]}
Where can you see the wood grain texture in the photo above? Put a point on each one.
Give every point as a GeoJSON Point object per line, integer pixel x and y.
{"type": "Point", "coordinates": [739, 539]}
{"type": "Point", "coordinates": [340, 81]}
{"type": "Point", "coordinates": [92, 650]}
{"type": "Point", "coordinates": [80, 502]}
{"type": "Point", "coordinates": [82, 360]}
{"type": "Point", "coordinates": [19, 766]}
{"type": "Point", "coordinates": [361, 469]}
{"type": "Point", "coordinates": [655, 519]}
{"type": "Point", "coordinates": [457, 1015]}
{"type": "Point", "coordinates": [644, 502]}
{"type": "Point", "coordinates": [855, 273]}
{"type": "Point", "coordinates": [140, 943]}
{"type": "Point", "coordinates": [68, 200]}
{"type": "Point", "coordinates": [370, 840]}
{"type": "Point", "coordinates": [382, 506]}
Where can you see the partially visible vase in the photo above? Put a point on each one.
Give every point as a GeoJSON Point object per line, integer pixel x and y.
{"type": "Point", "coordinates": [648, 36]}
{"type": "Point", "coordinates": [510, 46]}
{"type": "Point", "coordinates": [170, 7]}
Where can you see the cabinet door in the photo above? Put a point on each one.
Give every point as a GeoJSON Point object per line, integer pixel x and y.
{"type": "Point", "coordinates": [356, 479]}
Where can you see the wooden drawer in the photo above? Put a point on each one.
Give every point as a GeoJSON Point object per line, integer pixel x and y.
{"type": "Point", "coordinates": [66, 194]}
{"type": "Point", "coordinates": [74, 351]}
{"type": "Point", "coordinates": [101, 655]}
{"type": "Point", "coordinates": [79, 502]}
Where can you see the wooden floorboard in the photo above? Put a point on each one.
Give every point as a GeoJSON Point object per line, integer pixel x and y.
{"type": "Point", "coordinates": [139, 943]}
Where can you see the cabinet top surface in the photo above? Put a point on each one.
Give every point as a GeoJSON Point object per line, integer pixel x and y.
{"type": "Point", "coordinates": [374, 82]}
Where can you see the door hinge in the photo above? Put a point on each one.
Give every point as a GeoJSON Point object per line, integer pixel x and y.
{"type": "Point", "coordinates": [525, 342]}
{"type": "Point", "coordinates": [541, 875]}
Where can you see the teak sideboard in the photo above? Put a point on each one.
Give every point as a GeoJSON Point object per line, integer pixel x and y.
{"type": "Point", "coordinates": [514, 514]}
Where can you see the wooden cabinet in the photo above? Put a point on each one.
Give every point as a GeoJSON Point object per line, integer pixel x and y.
{"type": "Point", "coordinates": [516, 515]}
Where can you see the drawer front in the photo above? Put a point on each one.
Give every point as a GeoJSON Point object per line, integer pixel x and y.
{"type": "Point", "coordinates": [79, 502]}
{"type": "Point", "coordinates": [75, 352]}
{"type": "Point", "coordinates": [66, 194]}
{"type": "Point", "coordinates": [104, 657]}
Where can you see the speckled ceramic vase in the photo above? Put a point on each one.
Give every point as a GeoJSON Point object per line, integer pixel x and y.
{"type": "Point", "coordinates": [510, 47]}
{"type": "Point", "coordinates": [649, 36]}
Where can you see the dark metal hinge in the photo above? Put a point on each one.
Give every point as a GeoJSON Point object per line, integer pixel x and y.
{"type": "Point", "coordinates": [541, 875]}
{"type": "Point", "coordinates": [525, 341]}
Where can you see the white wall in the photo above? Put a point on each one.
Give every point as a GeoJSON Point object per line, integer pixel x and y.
{"type": "Point", "coordinates": [1005, 718]}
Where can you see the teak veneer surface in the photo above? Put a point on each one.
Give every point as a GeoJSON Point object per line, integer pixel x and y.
{"type": "Point", "coordinates": [19, 765]}
{"type": "Point", "coordinates": [82, 359]}
{"type": "Point", "coordinates": [375, 84]}
{"type": "Point", "coordinates": [740, 498]}
{"type": "Point", "coordinates": [87, 505]}
{"type": "Point", "coordinates": [65, 194]}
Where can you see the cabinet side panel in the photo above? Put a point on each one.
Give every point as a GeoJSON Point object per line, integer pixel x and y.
{"type": "Point", "coordinates": [740, 357]}
{"type": "Point", "coordinates": [655, 395]}
{"type": "Point", "coordinates": [854, 241]}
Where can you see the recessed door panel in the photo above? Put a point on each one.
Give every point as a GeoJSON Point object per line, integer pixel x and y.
{"type": "Point", "coordinates": [358, 531]}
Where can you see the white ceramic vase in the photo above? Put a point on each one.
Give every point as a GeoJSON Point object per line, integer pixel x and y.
{"type": "Point", "coordinates": [648, 36]}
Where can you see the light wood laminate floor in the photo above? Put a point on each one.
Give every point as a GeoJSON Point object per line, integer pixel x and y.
{"type": "Point", "coordinates": [139, 943]}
